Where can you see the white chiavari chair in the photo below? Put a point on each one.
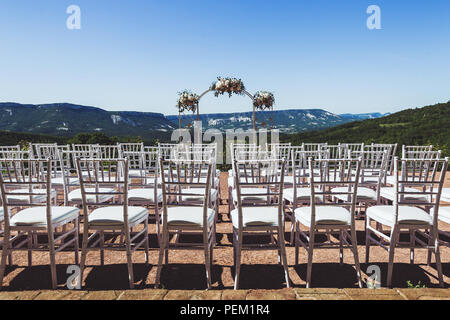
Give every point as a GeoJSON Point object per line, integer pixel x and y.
{"type": "Point", "coordinates": [146, 190]}
{"type": "Point", "coordinates": [255, 219]}
{"type": "Point", "coordinates": [36, 216]}
{"type": "Point", "coordinates": [392, 148]}
{"type": "Point", "coordinates": [388, 193]}
{"type": "Point", "coordinates": [116, 218]}
{"type": "Point", "coordinates": [181, 217]}
{"type": "Point", "coordinates": [300, 193]}
{"type": "Point", "coordinates": [371, 177]}
{"type": "Point", "coordinates": [426, 177]}
{"type": "Point", "coordinates": [329, 216]}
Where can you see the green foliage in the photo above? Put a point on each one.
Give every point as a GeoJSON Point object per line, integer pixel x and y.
{"type": "Point", "coordinates": [414, 286]}
{"type": "Point", "coordinates": [420, 126]}
{"type": "Point", "coordinates": [100, 138]}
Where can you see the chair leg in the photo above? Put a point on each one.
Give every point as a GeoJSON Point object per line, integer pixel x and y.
{"type": "Point", "coordinates": [102, 251]}
{"type": "Point", "coordinates": [207, 263]}
{"type": "Point", "coordinates": [161, 256]}
{"type": "Point", "coordinates": [84, 250]}
{"type": "Point", "coordinates": [355, 255]}
{"type": "Point", "coordinates": [30, 252]}
{"type": "Point", "coordinates": [238, 261]}
{"type": "Point", "coordinates": [147, 244]}
{"type": "Point", "coordinates": [297, 234]}
{"type": "Point", "coordinates": [341, 247]}
{"type": "Point", "coordinates": [392, 246]}
{"type": "Point", "coordinates": [5, 254]}
{"type": "Point", "coordinates": [430, 251]}
{"type": "Point", "coordinates": [437, 255]}
{"type": "Point", "coordinates": [310, 258]}
{"type": "Point", "coordinates": [283, 256]}
{"type": "Point", "coordinates": [129, 259]}
{"type": "Point", "coordinates": [53, 261]}
{"type": "Point", "coordinates": [367, 224]}
{"type": "Point", "coordinates": [77, 246]}
{"type": "Point", "coordinates": [412, 243]}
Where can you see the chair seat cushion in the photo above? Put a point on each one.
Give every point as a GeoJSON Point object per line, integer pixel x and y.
{"type": "Point", "coordinates": [113, 216]}
{"type": "Point", "coordinates": [444, 214]}
{"type": "Point", "coordinates": [136, 173]}
{"type": "Point", "coordinates": [72, 181]}
{"type": "Point", "coordinates": [200, 192]}
{"type": "Point", "coordinates": [362, 194]}
{"type": "Point", "coordinates": [144, 195]}
{"type": "Point", "coordinates": [445, 196]}
{"type": "Point", "coordinates": [39, 197]}
{"type": "Point", "coordinates": [325, 215]}
{"type": "Point", "coordinates": [289, 180]}
{"type": "Point", "coordinates": [256, 217]}
{"type": "Point", "coordinates": [37, 216]}
{"type": "Point", "coordinates": [75, 195]}
{"type": "Point", "coordinates": [390, 179]}
{"type": "Point", "coordinates": [303, 194]}
{"type": "Point", "coordinates": [406, 215]}
{"type": "Point", "coordinates": [188, 216]}
{"type": "Point", "coordinates": [389, 193]}
{"type": "Point", "coordinates": [251, 191]}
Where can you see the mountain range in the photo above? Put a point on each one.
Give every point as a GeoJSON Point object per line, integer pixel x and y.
{"type": "Point", "coordinates": [64, 119]}
{"type": "Point", "coordinates": [287, 121]}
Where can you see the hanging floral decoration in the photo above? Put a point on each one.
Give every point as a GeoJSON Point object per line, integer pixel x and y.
{"type": "Point", "coordinates": [187, 101]}
{"type": "Point", "coordinates": [227, 85]}
{"type": "Point", "coordinates": [263, 100]}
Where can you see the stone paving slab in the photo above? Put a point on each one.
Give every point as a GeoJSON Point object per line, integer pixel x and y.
{"type": "Point", "coordinates": [283, 294]}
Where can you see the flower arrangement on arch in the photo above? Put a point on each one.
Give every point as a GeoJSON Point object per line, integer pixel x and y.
{"type": "Point", "coordinates": [227, 85]}
{"type": "Point", "coordinates": [187, 101]}
{"type": "Point", "coordinates": [263, 100]}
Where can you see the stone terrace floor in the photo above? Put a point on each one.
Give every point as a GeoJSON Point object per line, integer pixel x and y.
{"type": "Point", "coordinates": [282, 294]}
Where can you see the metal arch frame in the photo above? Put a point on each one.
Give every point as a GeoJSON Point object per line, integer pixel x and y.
{"type": "Point", "coordinates": [244, 91]}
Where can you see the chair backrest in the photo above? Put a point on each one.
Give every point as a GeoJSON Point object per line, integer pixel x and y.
{"type": "Point", "coordinates": [313, 146]}
{"type": "Point", "coordinates": [82, 147]}
{"type": "Point", "coordinates": [353, 147]}
{"type": "Point", "coordinates": [265, 174]}
{"type": "Point", "coordinates": [332, 173]}
{"type": "Point", "coordinates": [105, 151]}
{"type": "Point", "coordinates": [14, 154]}
{"type": "Point", "coordinates": [130, 147]}
{"type": "Point", "coordinates": [392, 148]}
{"type": "Point", "coordinates": [167, 150]}
{"type": "Point", "coordinates": [9, 148]}
{"type": "Point", "coordinates": [179, 177]}
{"type": "Point", "coordinates": [412, 152]}
{"type": "Point", "coordinates": [337, 151]}
{"type": "Point", "coordinates": [68, 163]}
{"type": "Point", "coordinates": [425, 176]}
{"type": "Point", "coordinates": [420, 154]}
{"type": "Point", "coordinates": [45, 150]}
{"type": "Point", "coordinates": [96, 174]}
{"type": "Point", "coordinates": [27, 175]}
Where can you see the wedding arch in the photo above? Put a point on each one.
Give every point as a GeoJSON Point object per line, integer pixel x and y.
{"type": "Point", "coordinates": [261, 100]}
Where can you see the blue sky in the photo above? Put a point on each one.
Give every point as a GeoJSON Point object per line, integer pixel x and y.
{"type": "Point", "coordinates": [136, 55]}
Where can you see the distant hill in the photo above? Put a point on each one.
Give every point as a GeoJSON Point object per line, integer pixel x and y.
{"type": "Point", "coordinates": [63, 119]}
{"type": "Point", "coordinates": [294, 120]}
{"type": "Point", "coordinates": [419, 126]}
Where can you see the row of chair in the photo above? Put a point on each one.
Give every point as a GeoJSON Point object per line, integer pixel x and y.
{"type": "Point", "coordinates": [306, 184]}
